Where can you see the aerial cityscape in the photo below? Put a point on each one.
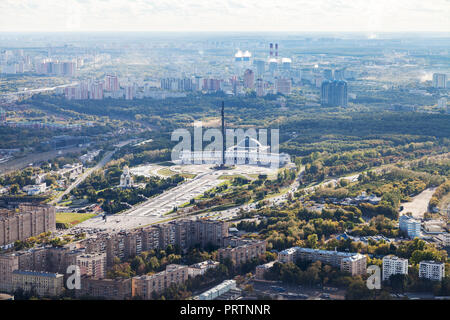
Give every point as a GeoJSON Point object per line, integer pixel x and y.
{"type": "Point", "coordinates": [230, 164]}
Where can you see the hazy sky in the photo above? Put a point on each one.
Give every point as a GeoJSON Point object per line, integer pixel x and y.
{"type": "Point", "coordinates": [225, 15]}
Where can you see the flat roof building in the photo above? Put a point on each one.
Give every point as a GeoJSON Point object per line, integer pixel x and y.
{"type": "Point", "coordinates": [394, 265]}
{"type": "Point", "coordinates": [44, 284]}
{"type": "Point", "coordinates": [432, 270]}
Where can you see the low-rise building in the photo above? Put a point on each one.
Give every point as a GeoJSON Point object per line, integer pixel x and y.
{"type": "Point", "coordinates": [44, 284]}
{"type": "Point", "coordinates": [394, 265]}
{"type": "Point", "coordinates": [218, 290]}
{"type": "Point", "coordinates": [353, 263]}
{"type": "Point", "coordinates": [432, 270]}
{"type": "Point", "coordinates": [263, 268]}
{"type": "Point", "coordinates": [200, 268]}
{"type": "Point", "coordinates": [36, 189]}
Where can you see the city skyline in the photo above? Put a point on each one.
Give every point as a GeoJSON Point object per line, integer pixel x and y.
{"type": "Point", "coordinates": [296, 16]}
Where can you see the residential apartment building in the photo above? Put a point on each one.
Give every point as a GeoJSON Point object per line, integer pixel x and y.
{"type": "Point", "coordinates": [30, 220]}
{"type": "Point", "coordinates": [44, 284]}
{"type": "Point", "coordinates": [145, 286]}
{"type": "Point", "coordinates": [110, 289]}
{"type": "Point", "coordinates": [334, 93]}
{"type": "Point", "coordinates": [8, 264]}
{"type": "Point", "coordinates": [200, 268]}
{"type": "Point", "coordinates": [263, 268]}
{"type": "Point", "coordinates": [241, 251]}
{"type": "Point", "coordinates": [440, 80]}
{"type": "Point", "coordinates": [394, 265]}
{"type": "Point", "coordinates": [432, 270]}
{"type": "Point", "coordinates": [182, 233]}
{"type": "Point", "coordinates": [92, 265]}
{"type": "Point", "coordinates": [283, 86]}
{"type": "Point", "coordinates": [446, 239]}
{"type": "Point", "coordinates": [353, 263]}
{"type": "Point", "coordinates": [410, 226]}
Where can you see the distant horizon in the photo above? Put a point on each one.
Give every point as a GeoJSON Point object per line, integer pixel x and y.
{"type": "Point", "coordinates": [370, 16]}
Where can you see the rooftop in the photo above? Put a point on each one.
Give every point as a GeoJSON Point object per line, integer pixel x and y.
{"type": "Point", "coordinates": [38, 273]}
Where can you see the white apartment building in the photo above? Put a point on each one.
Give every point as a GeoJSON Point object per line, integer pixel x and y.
{"type": "Point", "coordinates": [410, 225]}
{"type": "Point", "coordinates": [446, 239]}
{"type": "Point", "coordinates": [432, 270]}
{"type": "Point", "coordinates": [394, 265]}
{"type": "Point", "coordinates": [353, 263]}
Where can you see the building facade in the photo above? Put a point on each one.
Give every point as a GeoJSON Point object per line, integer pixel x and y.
{"type": "Point", "coordinates": [30, 221]}
{"type": "Point", "coordinates": [109, 289]}
{"type": "Point", "coordinates": [145, 286]}
{"type": "Point", "coordinates": [440, 80]}
{"type": "Point", "coordinates": [432, 270]}
{"type": "Point", "coordinates": [353, 263]}
{"type": "Point", "coordinates": [44, 284]}
{"type": "Point", "coordinates": [242, 251]}
{"type": "Point", "coordinates": [410, 226]}
{"type": "Point", "coordinates": [394, 265]}
{"type": "Point", "coordinates": [334, 93]}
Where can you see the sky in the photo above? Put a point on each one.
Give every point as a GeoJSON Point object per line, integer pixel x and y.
{"type": "Point", "coordinates": [225, 15]}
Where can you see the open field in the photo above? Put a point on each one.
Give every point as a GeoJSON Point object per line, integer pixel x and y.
{"type": "Point", "coordinates": [71, 219]}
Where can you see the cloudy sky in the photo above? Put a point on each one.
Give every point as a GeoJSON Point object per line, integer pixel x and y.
{"type": "Point", "coordinates": [225, 15]}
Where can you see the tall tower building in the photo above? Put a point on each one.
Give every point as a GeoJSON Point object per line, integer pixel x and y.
{"type": "Point", "coordinates": [249, 79]}
{"type": "Point", "coordinates": [111, 83]}
{"type": "Point", "coordinates": [334, 93]}
{"type": "Point", "coordinates": [260, 67]}
{"type": "Point", "coordinates": [260, 87]}
{"type": "Point", "coordinates": [283, 86]}
{"type": "Point", "coordinates": [440, 80]}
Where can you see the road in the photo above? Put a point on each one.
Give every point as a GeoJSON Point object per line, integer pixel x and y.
{"type": "Point", "coordinates": [39, 90]}
{"type": "Point", "coordinates": [106, 158]}
{"type": "Point", "coordinates": [20, 163]}
{"type": "Point", "coordinates": [86, 174]}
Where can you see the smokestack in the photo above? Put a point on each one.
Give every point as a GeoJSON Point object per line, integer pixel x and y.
{"type": "Point", "coordinates": [271, 50]}
{"type": "Point", "coordinates": [276, 49]}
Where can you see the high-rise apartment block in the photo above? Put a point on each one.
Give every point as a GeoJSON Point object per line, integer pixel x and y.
{"type": "Point", "coordinates": [394, 265]}
{"type": "Point", "coordinates": [30, 220]}
{"type": "Point", "coordinates": [410, 226]}
{"type": "Point", "coordinates": [432, 270]}
{"type": "Point", "coordinates": [440, 80]}
{"type": "Point", "coordinates": [240, 251]}
{"type": "Point", "coordinates": [334, 93]}
{"type": "Point", "coordinates": [93, 265]}
{"type": "Point", "coordinates": [145, 286]}
{"type": "Point", "coordinates": [284, 86]}
{"type": "Point", "coordinates": [182, 233]}
{"type": "Point", "coordinates": [249, 79]}
{"type": "Point", "coordinates": [111, 83]}
{"type": "Point", "coordinates": [8, 264]}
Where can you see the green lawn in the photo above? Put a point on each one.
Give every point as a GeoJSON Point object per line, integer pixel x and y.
{"type": "Point", "coordinates": [71, 219]}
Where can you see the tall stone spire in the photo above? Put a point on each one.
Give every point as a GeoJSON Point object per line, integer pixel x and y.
{"type": "Point", "coordinates": [223, 134]}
